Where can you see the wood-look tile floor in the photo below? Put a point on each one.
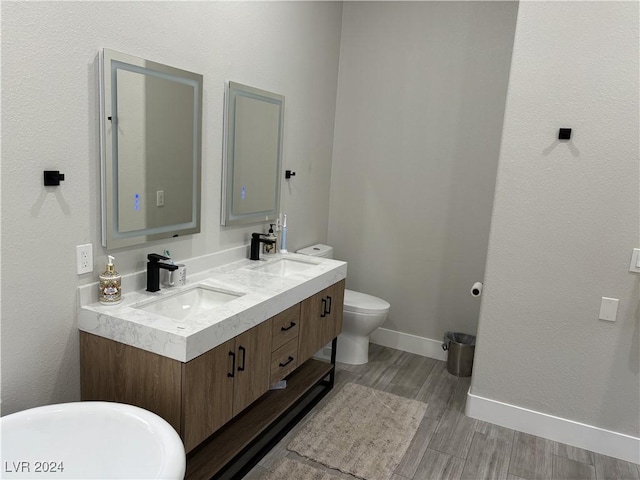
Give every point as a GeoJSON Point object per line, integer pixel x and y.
{"type": "Point", "coordinates": [449, 445]}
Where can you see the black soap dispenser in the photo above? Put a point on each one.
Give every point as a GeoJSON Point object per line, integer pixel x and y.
{"type": "Point", "coordinates": [270, 248]}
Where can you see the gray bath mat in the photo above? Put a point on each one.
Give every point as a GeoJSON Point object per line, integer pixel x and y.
{"type": "Point", "coordinates": [286, 469]}
{"type": "Point", "coordinates": [361, 431]}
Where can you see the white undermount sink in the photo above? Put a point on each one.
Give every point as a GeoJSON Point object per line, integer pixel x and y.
{"type": "Point", "coordinates": [90, 440]}
{"type": "Point", "coordinates": [190, 302]}
{"type": "Point", "coordinates": [284, 266]}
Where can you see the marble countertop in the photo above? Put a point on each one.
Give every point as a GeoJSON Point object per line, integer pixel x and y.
{"type": "Point", "coordinates": [263, 296]}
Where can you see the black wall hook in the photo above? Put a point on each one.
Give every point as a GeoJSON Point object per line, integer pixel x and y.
{"type": "Point", "coordinates": [564, 134]}
{"type": "Point", "coordinates": [288, 174]}
{"type": "Point", "coordinates": [52, 178]}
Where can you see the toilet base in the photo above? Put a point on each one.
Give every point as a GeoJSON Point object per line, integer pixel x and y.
{"type": "Point", "coordinates": [353, 349]}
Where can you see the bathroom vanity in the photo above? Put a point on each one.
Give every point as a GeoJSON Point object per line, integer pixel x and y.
{"type": "Point", "coordinates": [210, 374]}
{"type": "Point", "coordinates": [206, 356]}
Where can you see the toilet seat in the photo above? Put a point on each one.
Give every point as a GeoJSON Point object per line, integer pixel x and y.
{"type": "Point", "coordinates": [358, 302]}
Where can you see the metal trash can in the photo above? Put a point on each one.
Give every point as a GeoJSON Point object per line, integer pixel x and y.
{"type": "Point", "coordinates": [461, 348]}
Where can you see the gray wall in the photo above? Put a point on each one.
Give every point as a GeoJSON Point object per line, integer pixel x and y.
{"type": "Point", "coordinates": [50, 121]}
{"type": "Point", "coordinates": [418, 125]}
{"type": "Point", "coordinates": [565, 221]}
{"type": "Point", "coordinates": [421, 94]}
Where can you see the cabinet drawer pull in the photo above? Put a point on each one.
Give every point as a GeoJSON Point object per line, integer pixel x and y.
{"type": "Point", "coordinates": [329, 309]}
{"type": "Point", "coordinates": [233, 365]}
{"type": "Point", "coordinates": [324, 308]}
{"type": "Point", "coordinates": [244, 358]}
{"type": "Point", "coordinates": [287, 362]}
{"type": "Point", "coordinates": [284, 329]}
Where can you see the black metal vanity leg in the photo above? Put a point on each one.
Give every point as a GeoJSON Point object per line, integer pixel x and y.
{"type": "Point", "coordinates": [334, 347]}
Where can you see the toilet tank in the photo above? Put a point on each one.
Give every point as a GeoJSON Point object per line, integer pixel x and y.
{"type": "Point", "coordinates": [317, 250]}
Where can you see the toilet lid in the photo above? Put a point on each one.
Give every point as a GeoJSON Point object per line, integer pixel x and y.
{"type": "Point", "coordinates": [362, 303]}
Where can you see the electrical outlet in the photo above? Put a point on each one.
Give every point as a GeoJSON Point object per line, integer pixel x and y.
{"type": "Point", "coordinates": [84, 258]}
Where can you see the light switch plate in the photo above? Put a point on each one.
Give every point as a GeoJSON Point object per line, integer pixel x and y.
{"type": "Point", "coordinates": [634, 266]}
{"type": "Point", "coordinates": [609, 309]}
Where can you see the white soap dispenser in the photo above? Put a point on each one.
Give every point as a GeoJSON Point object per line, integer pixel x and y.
{"type": "Point", "coordinates": [167, 275]}
{"type": "Point", "coordinates": [110, 285]}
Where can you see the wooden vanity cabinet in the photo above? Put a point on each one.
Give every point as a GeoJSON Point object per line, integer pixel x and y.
{"type": "Point", "coordinates": [320, 319]}
{"type": "Point", "coordinates": [207, 394]}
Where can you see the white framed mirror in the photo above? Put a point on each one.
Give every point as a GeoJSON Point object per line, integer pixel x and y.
{"type": "Point", "coordinates": [253, 134]}
{"type": "Point", "coordinates": [151, 142]}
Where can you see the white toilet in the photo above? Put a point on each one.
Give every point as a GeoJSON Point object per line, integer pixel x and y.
{"type": "Point", "coordinates": [362, 314]}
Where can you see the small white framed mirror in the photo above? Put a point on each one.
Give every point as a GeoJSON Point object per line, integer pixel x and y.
{"type": "Point", "coordinates": [151, 142]}
{"type": "Point", "coordinates": [253, 135]}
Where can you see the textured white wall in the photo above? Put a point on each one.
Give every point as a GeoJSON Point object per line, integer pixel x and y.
{"type": "Point", "coordinates": [421, 95]}
{"type": "Point", "coordinates": [50, 121]}
{"type": "Point", "coordinates": [565, 221]}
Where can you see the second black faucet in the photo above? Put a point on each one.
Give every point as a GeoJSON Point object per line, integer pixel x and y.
{"type": "Point", "coordinates": [256, 239]}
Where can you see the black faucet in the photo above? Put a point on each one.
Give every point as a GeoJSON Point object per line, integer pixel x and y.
{"type": "Point", "coordinates": [153, 270]}
{"type": "Point", "coordinates": [256, 239]}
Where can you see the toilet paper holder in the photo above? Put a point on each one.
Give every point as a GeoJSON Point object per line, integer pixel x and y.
{"type": "Point", "coordinates": [476, 289]}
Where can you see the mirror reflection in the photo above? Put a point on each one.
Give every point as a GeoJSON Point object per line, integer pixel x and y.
{"type": "Point", "coordinates": [151, 117]}
{"type": "Point", "coordinates": [254, 124]}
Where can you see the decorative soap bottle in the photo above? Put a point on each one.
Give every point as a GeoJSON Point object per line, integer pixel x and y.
{"type": "Point", "coordinates": [110, 285]}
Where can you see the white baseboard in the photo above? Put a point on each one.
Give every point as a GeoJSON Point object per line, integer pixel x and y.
{"type": "Point", "coordinates": [606, 442]}
{"type": "Point", "coordinates": [406, 342]}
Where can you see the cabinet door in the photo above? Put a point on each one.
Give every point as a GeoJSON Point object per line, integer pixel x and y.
{"type": "Point", "coordinates": [320, 320]}
{"type": "Point", "coordinates": [208, 393]}
{"type": "Point", "coordinates": [114, 372]}
{"type": "Point", "coordinates": [334, 301]}
{"type": "Point", "coordinates": [253, 365]}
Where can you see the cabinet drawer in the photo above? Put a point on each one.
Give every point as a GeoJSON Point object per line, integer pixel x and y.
{"type": "Point", "coordinates": [284, 360]}
{"type": "Point", "coordinates": [285, 327]}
